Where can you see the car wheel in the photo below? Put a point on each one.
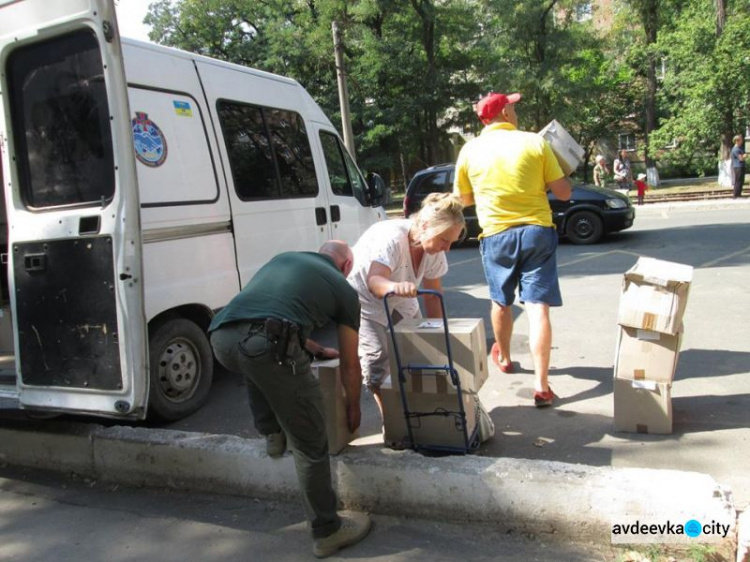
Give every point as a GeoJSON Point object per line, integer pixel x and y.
{"type": "Point", "coordinates": [584, 227]}
{"type": "Point", "coordinates": [182, 365]}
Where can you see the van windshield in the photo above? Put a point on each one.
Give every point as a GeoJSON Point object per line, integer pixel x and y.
{"type": "Point", "coordinates": [60, 118]}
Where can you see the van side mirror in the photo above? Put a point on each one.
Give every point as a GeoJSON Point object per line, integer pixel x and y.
{"type": "Point", "coordinates": [378, 193]}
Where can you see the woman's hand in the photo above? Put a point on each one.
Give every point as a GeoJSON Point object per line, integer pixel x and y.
{"type": "Point", "coordinates": [403, 289]}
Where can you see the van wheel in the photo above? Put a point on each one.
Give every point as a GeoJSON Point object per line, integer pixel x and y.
{"type": "Point", "coordinates": [182, 366]}
{"type": "Point", "coordinates": [584, 227]}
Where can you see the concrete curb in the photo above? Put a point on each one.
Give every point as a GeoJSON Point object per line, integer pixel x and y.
{"type": "Point", "coordinates": [743, 537]}
{"type": "Point", "coordinates": [572, 501]}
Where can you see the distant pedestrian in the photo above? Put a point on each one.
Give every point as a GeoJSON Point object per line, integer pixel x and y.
{"type": "Point", "coordinates": [622, 170]}
{"type": "Point", "coordinates": [738, 166]}
{"type": "Point", "coordinates": [642, 187]}
{"type": "Point", "coordinates": [600, 171]}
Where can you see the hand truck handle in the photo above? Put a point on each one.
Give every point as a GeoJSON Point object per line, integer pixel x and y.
{"type": "Point", "coordinates": [389, 318]}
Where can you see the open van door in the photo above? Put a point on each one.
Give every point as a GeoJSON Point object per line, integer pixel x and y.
{"type": "Point", "coordinates": [74, 243]}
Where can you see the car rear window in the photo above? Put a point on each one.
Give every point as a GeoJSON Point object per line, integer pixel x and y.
{"type": "Point", "coordinates": [436, 182]}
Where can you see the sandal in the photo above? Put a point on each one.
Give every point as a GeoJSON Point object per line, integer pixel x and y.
{"type": "Point", "coordinates": [544, 399]}
{"type": "Point", "coordinates": [495, 354]}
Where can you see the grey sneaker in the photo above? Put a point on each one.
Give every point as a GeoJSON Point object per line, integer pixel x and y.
{"type": "Point", "coordinates": [275, 444]}
{"type": "Point", "coordinates": [354, 527]}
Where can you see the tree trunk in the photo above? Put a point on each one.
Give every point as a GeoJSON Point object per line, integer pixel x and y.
{"type": "Point", "coordinates": [651, 27]}
{"type": "Point", "coordinates": [426, 11]}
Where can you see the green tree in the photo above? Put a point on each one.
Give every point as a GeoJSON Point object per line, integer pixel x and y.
{"type": "Point", "coordinates": [706, 86]}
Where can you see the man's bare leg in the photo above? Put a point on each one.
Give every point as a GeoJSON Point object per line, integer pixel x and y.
{"type": "Point", "coordinates": [378, 398]}
{"type": "Point", "coordinates": [540, 342]}
{"type": "Point", "coordinates": [502, 327]}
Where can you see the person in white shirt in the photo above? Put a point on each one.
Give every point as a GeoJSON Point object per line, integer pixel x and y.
{"type": "Point", "coordinates": [397, 256]}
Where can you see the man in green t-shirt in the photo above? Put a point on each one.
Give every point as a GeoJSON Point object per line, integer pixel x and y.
{"type": "Point", "coordinates": [263, 334]}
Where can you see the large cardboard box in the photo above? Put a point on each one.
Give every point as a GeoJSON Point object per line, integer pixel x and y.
{"type": "Point", "coordinates": [568, 152]}
{"type": "Point", "coordinates": [439, 430]}
{"type": "Point", "coordinates": [334, 401]}
{"type": "Point", "coordinates": [643, 406]}
{"type": "Point", "coordinates": [646, 355]}
{"type": "Point", "coordinates": [654, 295]}
{"type": "Point", "coordinates": [421, 342]}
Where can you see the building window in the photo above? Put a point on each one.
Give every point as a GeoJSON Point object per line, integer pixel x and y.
{"type": "Point", "coordinates": [582, 12]}
{"type": "Point", "coordinates": [627, 141]}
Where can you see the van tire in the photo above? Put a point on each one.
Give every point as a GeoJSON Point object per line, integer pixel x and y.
{"type": "Point", "coordinates": [181, 369]}
{"type": "Point", "coordinates": [584, 227]}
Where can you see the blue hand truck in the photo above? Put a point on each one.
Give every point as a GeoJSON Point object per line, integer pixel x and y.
{"type": "Point", "coordinates": [413, 419]}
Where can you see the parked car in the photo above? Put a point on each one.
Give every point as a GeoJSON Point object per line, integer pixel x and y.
{"type": "Point", "coordinates": [591, 212]}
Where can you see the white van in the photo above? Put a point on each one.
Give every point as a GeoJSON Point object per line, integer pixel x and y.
{"type": "Point", "coordinates": [144, 186]}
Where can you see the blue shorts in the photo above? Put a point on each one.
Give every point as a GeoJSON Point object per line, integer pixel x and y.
{"type": "Point", "coordinates": [523, 257]}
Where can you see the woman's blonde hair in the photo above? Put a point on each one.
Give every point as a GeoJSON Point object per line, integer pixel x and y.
{"type": "Point", "coordinates": [438, 213]}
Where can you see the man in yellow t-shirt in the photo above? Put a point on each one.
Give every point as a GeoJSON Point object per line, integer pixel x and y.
{"type": "Point", "coordinates": [507, 173]}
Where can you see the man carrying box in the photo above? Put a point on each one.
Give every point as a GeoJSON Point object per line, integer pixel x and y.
{"type": "Point", "coordinates": [262, 334]}
{"type": "Point", "coordinates": [506, 173]}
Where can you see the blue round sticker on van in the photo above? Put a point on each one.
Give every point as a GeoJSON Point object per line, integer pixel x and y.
{"type": "Point", "coordinates": [148, 140]}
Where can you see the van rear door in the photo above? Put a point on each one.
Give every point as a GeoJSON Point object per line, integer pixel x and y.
{"type": "Point", "coordinates": [75, 267]}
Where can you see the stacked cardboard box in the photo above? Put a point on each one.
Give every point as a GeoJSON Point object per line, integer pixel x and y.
{"type": "Point", "coordinates": [444, 429]}
{"type": "Point", "coordinates": [334, 402]}
{"type": "Point", "coordinates": [421, 344]}
{"type": "Point", "coordinates": [652, 304]}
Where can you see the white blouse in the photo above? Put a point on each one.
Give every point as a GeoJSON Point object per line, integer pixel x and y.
{"type": "Point", "coordinates": [387, 242]}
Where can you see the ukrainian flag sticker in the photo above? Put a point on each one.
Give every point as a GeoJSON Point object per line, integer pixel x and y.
{"type": "Point", "coordinates": [182, 108]}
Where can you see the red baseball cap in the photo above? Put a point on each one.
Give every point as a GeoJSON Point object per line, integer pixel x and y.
{"type": "Point", "coordinates": [492, 104]}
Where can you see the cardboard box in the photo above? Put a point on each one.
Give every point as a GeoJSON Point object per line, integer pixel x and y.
{"type": "Point", "coordinates": [646, 355]}
{"type": "Point", "coordinates": [334, 401]}
{"type": "Point", "coordinates": [654, 295]}
{"type": "Point", "coordinates": [568, 152]}
{"type": "Point", "coordinates": [643, 406]}
{"type": "Point", "coordinates": [421, 342]}
{"type": "Point", "coordinates": [437, 430]}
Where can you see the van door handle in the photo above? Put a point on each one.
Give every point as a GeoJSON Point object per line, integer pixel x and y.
{"type": "Point", "coordinates": [35, 262]}
{"type": "Point", "coordinates": [320, 216]}
{"type": "Point", "coordinates": [335, 213]}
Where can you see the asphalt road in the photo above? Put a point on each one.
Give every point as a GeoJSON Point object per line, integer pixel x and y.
{"type": "Point", "coordinates": [711, 393]}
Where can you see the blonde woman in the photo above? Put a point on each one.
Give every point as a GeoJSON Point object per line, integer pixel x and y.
{"type": "Point", "coordinates": [397, 256]}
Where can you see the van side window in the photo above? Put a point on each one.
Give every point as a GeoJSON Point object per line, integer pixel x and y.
{"type": "Point", "coordinates": [293, 154]}
{"type": "Point", "coordinates": [269, 152]}
{"type": "Point", "coordinates": [342, 172]}
{"type": "Point", "coordinates": [60, 113]}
